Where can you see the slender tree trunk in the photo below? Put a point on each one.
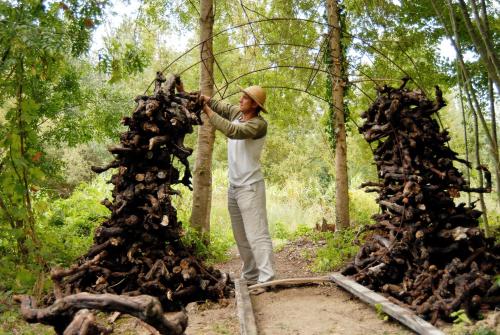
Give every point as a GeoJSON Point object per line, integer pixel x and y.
{"type": "Point", "coordinates": [468, 87]}
{"type": "Point", "coordinates": [483, 20]}
{"type": "Point", "coordinates": [24, 221]}
{"type": "Point", "coordinates": [478, 163]}
{"type": "Point", "coordinates": [202, 173]}
{"type": "Point", "coordinates": [491, 94]}
{"type": "Point", "coordinates": [338, 85]}
{"type": "Point", "coordinates": [464, 120]}
{"type": "Point", "coordinates": [477, 153]}
{"type": "Point", "coordinates": [21, 224]}
{"type": "Point", "coordinates": [482, 44]}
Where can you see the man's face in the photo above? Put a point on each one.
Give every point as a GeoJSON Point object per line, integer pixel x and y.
{"type": "Point", "coordinates": [247, 104]}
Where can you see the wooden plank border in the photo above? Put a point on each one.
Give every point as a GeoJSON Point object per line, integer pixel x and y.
{"type": "Point", "coordinates": [292, 281]}
{"type": "Point", "coordinates": [403, 315]}
{"type": "Point", "coordinates": [244, 308]}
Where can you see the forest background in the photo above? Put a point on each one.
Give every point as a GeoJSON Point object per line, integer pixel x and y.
{"type": "Point", "coordinates": [63, 93]}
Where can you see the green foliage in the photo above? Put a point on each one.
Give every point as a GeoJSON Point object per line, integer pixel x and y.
{"type": "Point", "coordinates": [12, 323]}
{"type": "Point", "coordinates": [65, 228]}
{"type": "Point", "coordinates": [339, 248]}
{"type": "Point", "coordinates": [484, 331]}
{"type": "Point", "coordinates": [460, 317]}
{"type": "Point", "coordinates": [215, 252]}
{"type": "Point", "coordinates": [38, 89]}
{"type": "Point", "coordinates": [302, 230]}
{"type": "Point", "coordinates": [126, 53]}
{"type": "Point", "coordinates": [280, 231]}
{"type": "Point", "coordinates": [67, 225]}
{"type": "Point", "coordinates": [280, 234]}
{"type": "Point", "coordinates": [76, 163]}
{"type": "Point", "coordinates": [380, 313]}
{"type": "Point", "coordinates": [362, 206]}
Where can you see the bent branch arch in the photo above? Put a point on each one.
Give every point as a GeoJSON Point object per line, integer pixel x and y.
{"type": "Point", "coordinates": [364, 43]}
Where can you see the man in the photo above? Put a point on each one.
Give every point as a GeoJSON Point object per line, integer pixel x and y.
{"type": "Point", "coordinates": [246, 130]}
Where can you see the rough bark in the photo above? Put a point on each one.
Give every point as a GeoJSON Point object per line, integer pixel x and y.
{"type": "Point", "coordinates": [84, 323]}
{"type": "Point", "coordinates": [61, 313]}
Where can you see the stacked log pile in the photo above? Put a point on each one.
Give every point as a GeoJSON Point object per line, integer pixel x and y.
{"type": "Point", "coordinates": [137, 252]}
{"type": "Point", "coordinates": [424, 251]}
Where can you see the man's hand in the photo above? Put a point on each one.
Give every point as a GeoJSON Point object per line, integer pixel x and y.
{"type": "Point", "coordinates": [204, 98]}
{"type": "Point", "coordinates": [207, 110]}
{"type": "Point", "coordinates": [179, 85]}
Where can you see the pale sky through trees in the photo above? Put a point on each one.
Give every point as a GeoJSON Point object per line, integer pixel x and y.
{"type": "Point", "coordinates": [120, 10]}
{"type": "Point", "coordinates": [114, 16]}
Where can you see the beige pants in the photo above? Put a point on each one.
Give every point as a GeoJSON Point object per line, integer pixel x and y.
{"type": "Point", "coordinates": [247, 208]}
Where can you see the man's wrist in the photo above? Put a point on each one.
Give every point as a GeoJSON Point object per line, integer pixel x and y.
{"type": "Point", "coordinates": [208, 111]}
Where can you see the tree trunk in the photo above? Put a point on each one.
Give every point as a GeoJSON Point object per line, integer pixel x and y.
{"type": "Point", "coordinates": [468, 87]}
{"type": "Point", "coordinates": [202, 173]}
{"type": "Point", "coordinates": [491, 95]}
{"type": "Point", "coordinates": [26, 223]}
{"type": "Point", "coordinates": [61, 312]}
{"type": "Point", "coordinates": [478, 163]}
{"type": "Point", "coordinates": [483, 45]}
{"type": "Point", "coordinates": [464, 121]}
{"type": "Point", "coordinates": [338, 84]}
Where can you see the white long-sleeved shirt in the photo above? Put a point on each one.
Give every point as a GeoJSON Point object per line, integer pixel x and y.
{"type": "Point", "coordinates": [245, 142]}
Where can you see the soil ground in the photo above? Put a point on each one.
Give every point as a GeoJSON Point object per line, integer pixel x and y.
{"type": "Point", "coordinates": [310, 310]}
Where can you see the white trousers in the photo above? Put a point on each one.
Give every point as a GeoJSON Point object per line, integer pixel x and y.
{"type": "Point", "coordinates": [247, 208]}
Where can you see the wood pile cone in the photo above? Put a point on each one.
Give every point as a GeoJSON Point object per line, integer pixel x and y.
{"type": "Point", "coordinates": [137, 253]}
{"type": "Point", "coordinates": [424, 251]}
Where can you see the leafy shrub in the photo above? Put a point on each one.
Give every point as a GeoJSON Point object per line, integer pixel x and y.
{"type": "Point", "coordinates": [65, 231]}
{"type": "Point", "coordinates": [280, 231]}
{"type": "Point", "coordinates": [339, 248]}
{"type": "Point", "coordinates": [66, 226]}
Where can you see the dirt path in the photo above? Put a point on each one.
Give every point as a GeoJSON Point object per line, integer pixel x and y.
{"type": "Point", "coordinates": [312, 310]}
{"type": "Point", "coordinates": [318, 310]}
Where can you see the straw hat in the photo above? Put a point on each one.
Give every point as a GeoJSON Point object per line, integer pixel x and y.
{"type": "Point", "coordinates": [257, 93]}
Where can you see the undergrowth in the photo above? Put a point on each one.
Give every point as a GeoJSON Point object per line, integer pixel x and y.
{"type": "Point", "coordinates": [339, 248]}
{"type": "Point", "coordinates": [65, 228]}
